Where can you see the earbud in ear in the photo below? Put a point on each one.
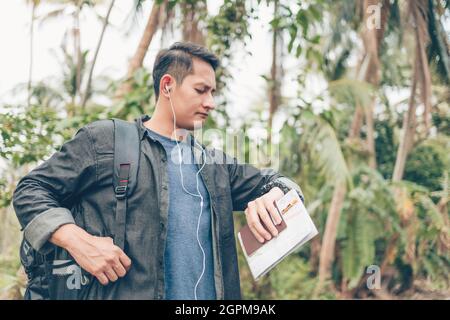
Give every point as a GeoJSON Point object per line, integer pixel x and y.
{"type": "Point", "coordinates": [167, 89]}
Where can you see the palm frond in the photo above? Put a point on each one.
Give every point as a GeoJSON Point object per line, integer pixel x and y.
{"type": "Point", "coordinates": [325, 148]}
{"type": "Point", "coordinates": [351, 92]}
{"type": "Point", "coordinates": [53, 14]}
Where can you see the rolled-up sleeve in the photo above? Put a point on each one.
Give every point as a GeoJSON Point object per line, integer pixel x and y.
{"type": "Point", "coordinates": [40, 196]}
{"type": "Point", "coordinates": [40, 229]}
{"type": "Point", "coordinates": [247, 182]}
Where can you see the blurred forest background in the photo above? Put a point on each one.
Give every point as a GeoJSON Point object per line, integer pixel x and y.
{"type": "Point", "coordinates": [366, 135]}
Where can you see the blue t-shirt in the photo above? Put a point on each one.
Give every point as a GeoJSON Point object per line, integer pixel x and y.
{"type": "Point", "coordinates": [183, 257]}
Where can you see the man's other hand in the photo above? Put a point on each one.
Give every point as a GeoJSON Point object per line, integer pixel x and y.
{"type": "Point", "coordinates": [97, 255]}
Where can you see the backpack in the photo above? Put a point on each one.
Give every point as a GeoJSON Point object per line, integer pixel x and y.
{"type": "Point", "coordinates": [56, 275]}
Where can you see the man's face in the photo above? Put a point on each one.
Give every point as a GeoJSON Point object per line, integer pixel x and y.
{"type": "Point", "coordinates": [194, 98]}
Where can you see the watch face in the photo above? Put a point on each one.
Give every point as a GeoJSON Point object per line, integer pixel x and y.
{"type": "Point", "coordinates": [282, 187]}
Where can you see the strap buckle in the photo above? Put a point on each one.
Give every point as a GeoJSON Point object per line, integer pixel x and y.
{"type": "Point", "coordinates": [121, 191]}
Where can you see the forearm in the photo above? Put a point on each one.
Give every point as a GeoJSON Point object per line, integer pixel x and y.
{"type": "Point", "coordinates": [68, 235]}
{"type": "Point", "coordinates": [41, 197]}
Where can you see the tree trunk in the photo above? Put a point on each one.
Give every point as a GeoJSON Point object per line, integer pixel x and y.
{"type": "Point", "coordinates": [420, 77]}
{"type": "Point", "coordinates": [371, 134]}
{"type": "Point", "coordinates": [372, 38]}
{"type": "Point", "coordinates": [369, 69]}
{"type": "Point", "coordinates": [191, 16]}
{"type": "Point", "coordinates": [274, 88]}
{"type": "Point", "coordinates": [329, 237]}
{"type": "Point", "coordinates": [97, 49]}
{"type": "Point", "coordinates": [422, 40]}
{"type": "Point", "coordinates": [77, 51]}
{"type": "Point", "coordinates": [356, 123]}
{"type": "Point", "coordinates": [409, 128]}
{"type": "Point", "coordinates": [138, 57]}
{"type": "Point", "coordinates": [30, 70]}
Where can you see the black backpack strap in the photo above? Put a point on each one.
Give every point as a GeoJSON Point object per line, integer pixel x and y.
{"type": "Point", "coordinates": [126, 165]}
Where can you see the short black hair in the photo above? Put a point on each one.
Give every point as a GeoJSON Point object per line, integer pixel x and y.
{"type": "Point", "coordinates": [177, 61]}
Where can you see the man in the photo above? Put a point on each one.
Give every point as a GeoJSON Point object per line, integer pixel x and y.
{"type": "Point", "coordinates": [179, 239]}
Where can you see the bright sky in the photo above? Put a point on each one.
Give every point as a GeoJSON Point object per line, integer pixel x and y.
{"type": "Point", "coordinates": [246, 89]}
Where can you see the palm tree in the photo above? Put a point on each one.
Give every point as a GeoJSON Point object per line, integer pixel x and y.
{"type": "Point", "coordinates": [418, 11]}
{"type": "Point", "coordinates": [34, 4]}
{"type": "Point", "coordinates": [97, 49]}
{"type": "Point", "coordinates": [77, 46]}
{"type": "Point", "coordinates": [369, 71]}
{"type": "Point", "coordinates": [155, 20]}
{"type": "Point", "coordinates": [193, 12]}
{"type": "Point", "coordinates": [372, 39]}
{"type": "Point", "coordinates": [74, 7]}
{"type": "Point", "coordinates": [275, 70]}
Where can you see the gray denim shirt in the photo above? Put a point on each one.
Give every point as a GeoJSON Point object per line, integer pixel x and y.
{"type": "Point", "coordinates": [75, 186]}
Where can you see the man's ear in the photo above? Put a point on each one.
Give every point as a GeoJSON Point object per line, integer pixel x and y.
{"type": "Point", "coordinates": [167, 82]}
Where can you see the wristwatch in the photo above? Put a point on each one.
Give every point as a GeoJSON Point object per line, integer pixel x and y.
{"type": "Point", "coordinates": [267, 187]}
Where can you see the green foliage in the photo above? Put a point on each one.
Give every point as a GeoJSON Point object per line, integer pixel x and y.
{"type": "Point", "coordinates": [438, 52]}
{"type": "Point", "coordinates": [369, 215]}
{"type": "Point", "coordinates": [8, 269]}
{"type": "Point", "coordinates": [226, 30]}
{"type": "Point", "coordinates": [427, 162]}
{"type": "Point", "coordinates": [385, 147]}
{"type": "Point", "coordinates": [303, 27]}
{"type": "Point", "coordinates": [359, 247]}
{"type": "Point", "coordinates": [325, 147]}
{"type": "Point", "coordinates": [138, 100]}
{"type": "Point", "coordinates": [293, 280]}
{"type": "Point", "coordinates": [29, 136]}
{"type": "Point", "coordinates": [351, 92]}
{"type": "Point", "coordinates": [441, 118]}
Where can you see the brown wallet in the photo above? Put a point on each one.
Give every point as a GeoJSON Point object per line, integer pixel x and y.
{"type": "Point", "coordinates": [251, 244]}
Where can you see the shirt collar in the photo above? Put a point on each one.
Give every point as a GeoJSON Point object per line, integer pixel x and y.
{"type": "Point", "coordinates": [190, 139]}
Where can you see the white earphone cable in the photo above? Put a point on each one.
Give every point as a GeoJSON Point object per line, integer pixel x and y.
{"type": "Point", "coordinates": [192, 194]}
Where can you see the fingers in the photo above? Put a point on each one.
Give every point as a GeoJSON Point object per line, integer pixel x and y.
{"type": "Point", "coordinates": [124, 260]}
{"type": "Point", "coordinates": [102, 278]}
{"type": "Point", "coordinates": [255, 224]}
{"type": "Point", "coordinates": [119, 264]}
{"type": "Point", "coordinates": [112, 276]}
{"type": "Point", "coordinates": [119, 269]}
{"type": "Point", "coordinates": [101, 258]}
{"type": "Point", "coordinates": [111, 272]}
{"type": "Point", "coordinates": [265, 217]}
{"type": "Point", "coordinates": [273, 211]}
{"type": "Point", "coordinates": [116, 264]}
